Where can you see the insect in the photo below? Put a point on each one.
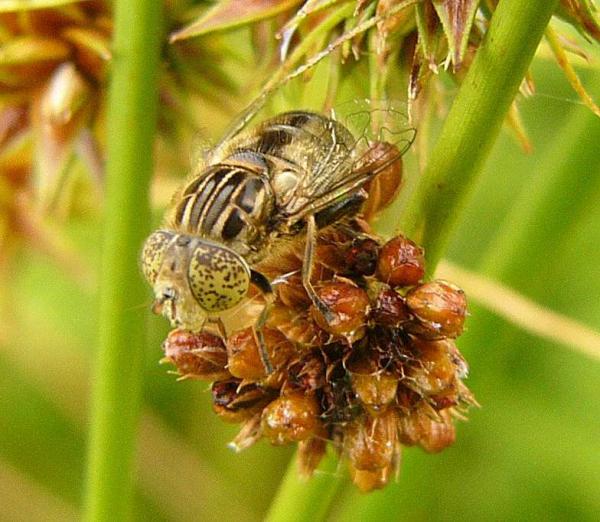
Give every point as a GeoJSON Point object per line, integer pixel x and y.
{"type": "Point", "coordinates": [283, 180]}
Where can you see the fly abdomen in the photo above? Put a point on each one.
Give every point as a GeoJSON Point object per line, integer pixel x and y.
{"type": "Point", "coordinates": [227, 203]}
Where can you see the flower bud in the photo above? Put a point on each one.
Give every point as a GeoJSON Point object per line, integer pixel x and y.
{"type": "Point", "coordinates": [439, 307]}
{"type": "Point", "coordinates": [197, 355]}
{"type": "Point", "coordinates": [401, 262]}
{"type": "Point", "coordinates": [290, 418]}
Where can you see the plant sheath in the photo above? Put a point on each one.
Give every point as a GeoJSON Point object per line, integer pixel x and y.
{"type": "Point", "coordinates": [118, 381]}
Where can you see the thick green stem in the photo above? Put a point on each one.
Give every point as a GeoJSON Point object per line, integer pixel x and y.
{"type": "Point", "coordinates": [306, 501]}
{"type": "Point", "coordinates": [474, 122]}
{"type": "Point", "coordinates": [118, 374]}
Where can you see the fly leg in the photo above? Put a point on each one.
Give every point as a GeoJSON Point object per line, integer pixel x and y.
{"type": "Point", "coordinates": [262, 283]}
{"type": "Point", "coordinates": [307, 266]}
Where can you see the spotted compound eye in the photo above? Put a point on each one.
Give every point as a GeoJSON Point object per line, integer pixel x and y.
{"type": "Point", "coordinates": [219, 278]}
{"type": "Point", "coordinates": [153, 254]}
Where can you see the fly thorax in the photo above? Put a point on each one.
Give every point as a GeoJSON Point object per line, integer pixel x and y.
{"type": "Point", "coordinates": [227, 203]}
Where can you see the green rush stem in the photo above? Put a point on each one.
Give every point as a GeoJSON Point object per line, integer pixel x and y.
{"type": "Point", "coordinates": [306, 500]}
{"type": "Point", "coordinates": [117, 383]}
{"type": "Point", "coordinates": [474, 122]}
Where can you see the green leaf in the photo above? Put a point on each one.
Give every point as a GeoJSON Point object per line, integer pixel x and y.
{"type": "Point", "coordinates": [233, 13]}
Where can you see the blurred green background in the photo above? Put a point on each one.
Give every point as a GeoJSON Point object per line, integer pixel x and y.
{"type": "Point", "coordinates": [531, 452]}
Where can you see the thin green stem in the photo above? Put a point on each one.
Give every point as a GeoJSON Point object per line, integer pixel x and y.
{"type": "Point", "coordinates": [474, 122]}
{"type": "Point", "coordinates": [118, 373]}
{"type": "Point", "coordinates": [306, 501]}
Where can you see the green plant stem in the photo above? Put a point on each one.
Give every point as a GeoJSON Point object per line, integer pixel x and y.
{"type": "Point", "coordinates": [118, 379]}
{"type": "Point", "coordinates": [474, 122]}
{"type": "Point", "coordinates": [306, 501]}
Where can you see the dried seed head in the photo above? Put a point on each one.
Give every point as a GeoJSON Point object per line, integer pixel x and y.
{"type": "Point", "coordinates": [236, 402]}
{"type": "Point", "coordinates": [197, 355]}
{"type": "Point", "coordinates": [383, 372]}
{"type": "Point", "coordinates": [390, 309]}
{"type": "Point", "coordinates": [349, 305]}
{"type": "Point", "coordinates": [401, 262]}
{"type": "Point", "coordinates": [371, 443]}
{"type": "Point", "coordinates": [243, 357]}
{"type": "Point", "coordinates": [439, 307]}
{"type": "Point", "coordinates": [291, 418]}
{"type": "Point", "coordinates": [361, 256]}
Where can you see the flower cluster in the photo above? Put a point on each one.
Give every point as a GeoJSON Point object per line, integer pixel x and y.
{"type": "Point", "coordinates": [381, 373]}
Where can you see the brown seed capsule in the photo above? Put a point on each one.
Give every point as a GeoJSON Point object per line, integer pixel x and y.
{"type": "Point", "coordinates": [432, 371]}
{"type": "Point", "coordinates": [432, 435]}
{"type": "Point", "coordinates": [371, 443]}
{"type": "Point", "coordinates": [197, 355]}
{"type": "Point", "coordinates": [243, 356]}
{"type": "Point", "coordinates": [361, 256]}
{"type": "Point", "coordinates": [290, 418]}
{"type": "Point", "coordinates": [349, 305]}
{"type": "Point", "coordinates": [390, 309]}
{"type": "Point", "coordinates": [401, 262]}
{"type": "Point", "coordinates": [236, 402]}
{"type": "Point", "coordinates": [440, 308]}
{"type": "Point", "coordinates": [375, 390]}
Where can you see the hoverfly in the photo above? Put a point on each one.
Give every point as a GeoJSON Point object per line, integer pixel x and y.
{"type": "Point", "coordinates": [287, 178]}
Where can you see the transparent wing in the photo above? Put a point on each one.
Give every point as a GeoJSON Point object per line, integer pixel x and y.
{"type": "Point", "coordinates": [350, 162]}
